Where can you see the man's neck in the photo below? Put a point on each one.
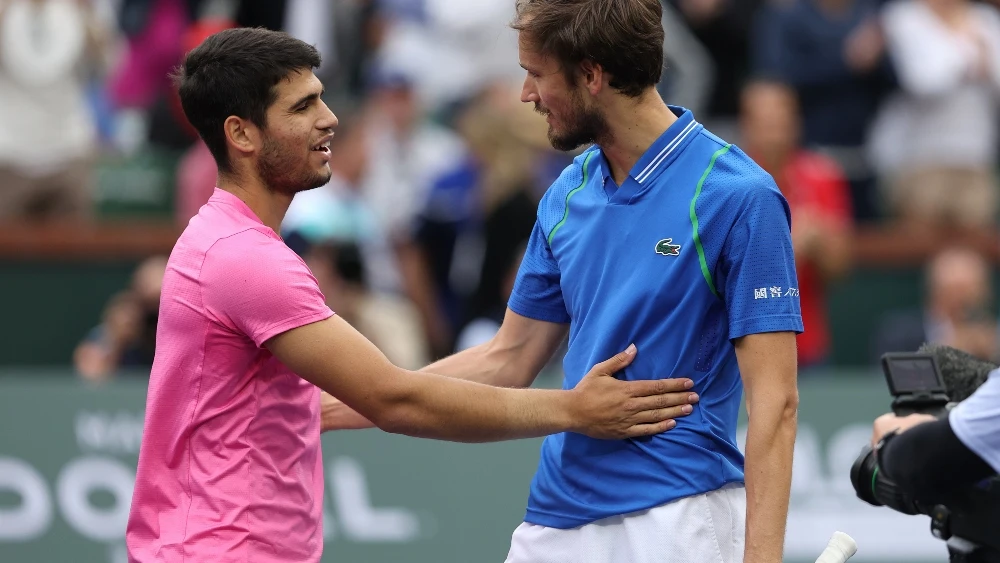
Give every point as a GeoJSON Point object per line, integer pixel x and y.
{"type": "Point", "coordinates": [269, 206]}
{"type": "Point", "coordinates": [635, 124]}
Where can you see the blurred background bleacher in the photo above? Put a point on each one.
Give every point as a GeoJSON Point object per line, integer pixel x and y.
{"type": "Point", "coordinates": [877, 119]}
{"type": "Point", "coordinates": [439, 166]}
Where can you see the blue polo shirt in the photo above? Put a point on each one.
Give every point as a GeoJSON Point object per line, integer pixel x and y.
{"type": "Point", "coordinates": [692, 251]}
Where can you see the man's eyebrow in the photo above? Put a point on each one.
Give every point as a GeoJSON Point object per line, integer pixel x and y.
{"type": "Point", "coordinates": [308, 98]}
{"type": "Point", "coordinates": [535, 70]}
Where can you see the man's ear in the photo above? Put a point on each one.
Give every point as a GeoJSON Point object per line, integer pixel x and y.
{"type": "Point", "coordinates": [242, 134]}
{"type": "Point", "coordinates": [592, 75]}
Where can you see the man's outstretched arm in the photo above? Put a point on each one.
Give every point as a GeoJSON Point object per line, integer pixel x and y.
{"type": "Point", "coordinates": [337, 359]}
{"type": "Point", "coordinates": [334, 414]}
{"type": "Point", "coordinates": [512, 358]}
{"type": "Point", "coordinates": [767, 363]}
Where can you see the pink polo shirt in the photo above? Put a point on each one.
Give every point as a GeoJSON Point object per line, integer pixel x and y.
{"type": "Point", "coordinates": [230, 467]}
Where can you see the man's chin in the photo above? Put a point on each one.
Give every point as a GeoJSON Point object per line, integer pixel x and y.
{"type": "Point", "coordinates": [565, 144]}
{"type": "Point", "coordinates": [324, 176]}
{"type": "Point", "coordinates": [317, 181]}
{"type": "Point", "coordinates": [321, 179]}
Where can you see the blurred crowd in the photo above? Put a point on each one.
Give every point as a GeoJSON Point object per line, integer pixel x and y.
{"type": "Point", "coordinates": [864, 112]}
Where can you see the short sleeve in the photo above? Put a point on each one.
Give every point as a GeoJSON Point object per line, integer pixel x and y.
{"type": "Point", "coordinates": [976, 419]}
{"type": "Point", "coordinates": [255, 285]}
{"type": "Point", "coordinates": [537, 293]}
{"type": "Point", "coordinates": [759, 284]}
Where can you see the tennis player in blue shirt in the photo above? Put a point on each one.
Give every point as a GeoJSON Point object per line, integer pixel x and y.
{"type": "Point", "coordinates": [662, 235]}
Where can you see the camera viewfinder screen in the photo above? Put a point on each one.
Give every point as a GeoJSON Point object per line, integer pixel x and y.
{"type": "Point", "coordinates": [914, 375]}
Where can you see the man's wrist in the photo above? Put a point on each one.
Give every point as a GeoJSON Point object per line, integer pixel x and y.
{"type": "Point", "coordinates": [567, 415]}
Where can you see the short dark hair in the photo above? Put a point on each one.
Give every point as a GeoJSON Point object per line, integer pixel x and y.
{"type": "Point", "coordinates": [234, 72]}
{"type": "Point", "coordinates": [625, 37]}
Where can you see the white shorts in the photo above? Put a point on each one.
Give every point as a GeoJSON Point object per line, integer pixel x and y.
{"type": "Point", "coordinates": [706, 528]}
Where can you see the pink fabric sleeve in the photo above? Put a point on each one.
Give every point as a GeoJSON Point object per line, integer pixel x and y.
{"type": "Point", "coordinates": [255, 285]}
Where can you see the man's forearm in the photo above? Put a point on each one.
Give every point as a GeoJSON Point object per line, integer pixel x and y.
{"type": "Point", "coordinates": [482, 364]}
{"type": "Point", "coordinates": [500, 414]}
{"type": "Point", "coordinates": [600, 406]}
{"type": "Point", "coordinates": [335, 415]}
{"type": "Point", "coordinates": [768, 468]}
{"type": "Point", "coordinates": [471, 365]}
{"type": "Point", "coordinates": [453, 411]}
{"type": "Point", "coordinates": [511, 359]}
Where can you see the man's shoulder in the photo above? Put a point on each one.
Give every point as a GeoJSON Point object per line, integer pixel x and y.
{"type": "Point", "coordinates": [218, 260]}
{"type": "Point", "coordinates": [214, 239]}
{"type": "Point", "coordinates": [248, 243]}
{"type": "Point", "coordinates": [553, 204]}
{"type": "Point", "coordinates": [574, 174]}
{"type": "Point", "coordinates": [726, 173]}
{"type": "Point", "coordinates": [207, 230]}
{"type": "Point", "coordinates": [247, 266]}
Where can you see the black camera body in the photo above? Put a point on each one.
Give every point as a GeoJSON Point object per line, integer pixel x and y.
{"type": "Point", "coordinates": [968, 520]}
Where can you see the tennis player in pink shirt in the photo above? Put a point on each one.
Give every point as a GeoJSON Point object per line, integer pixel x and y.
{"type": "Point", "coordinates": [230, 466]}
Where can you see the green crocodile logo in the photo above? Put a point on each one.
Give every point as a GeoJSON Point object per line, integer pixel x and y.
{"type": "Point", "coordinates": [665, 247]}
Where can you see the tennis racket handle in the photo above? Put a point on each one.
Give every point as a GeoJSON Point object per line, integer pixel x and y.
{"type": "Point", "coordinates": [841, 548]}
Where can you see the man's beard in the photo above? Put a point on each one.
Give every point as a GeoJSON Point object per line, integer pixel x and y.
{"type": "Point", "coordinates": [273, 168]}
{"type": "Point", "coordinates": [582, 126]}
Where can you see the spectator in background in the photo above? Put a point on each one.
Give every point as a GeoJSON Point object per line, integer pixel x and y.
{"type": "Point", "coordinates": [126, 337]}
{"type": "Point", "coordinates": [272, 14]}
{"type": "Point", "coordinates": [47, 129]}
{"type": "Point", "coordinates": [832, 53]}
{"type": "Point", "coordinates": [480, 329]}
{"type": "Point", "coordinates": [818, 199]}
{"type": "Point", "coordinates": [408, 153]}
{"type": "Point", "coordinates": [723, 27]}
{"type": "Point", "coordinates": [411, 151]}
{"type": "Point", "coordinates": [390, 322]}
{"type": "Point", "coordinates": [958, 310]}
{"type": "Point", "coordinates": [153, 31]}
{"type": "Point", "coordinates": [479, 215]}
{"type": "Point", "coordinates": [356, 34]}
{"type": "Point", "coordinates": [936, 140]}
{"type": "Point", "coordinates": [508, 141]}
{"type": "Point", "coordinates": [452, 47]}
{"type": "Point", "coordinates": [140, 85]}
{"type": "Point", "coordinates": [112, 345]}
{"type": "Point", "coordinates": [689, 71]}
{"type": "Point", "coordinates": [316, 22]}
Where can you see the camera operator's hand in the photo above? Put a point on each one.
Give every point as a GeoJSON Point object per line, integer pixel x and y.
{"type": "Point", "coordinates": [889, 422]}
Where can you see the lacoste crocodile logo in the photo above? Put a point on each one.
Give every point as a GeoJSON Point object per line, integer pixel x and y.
{"type": "Point", "coordinates": [666, 248]}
